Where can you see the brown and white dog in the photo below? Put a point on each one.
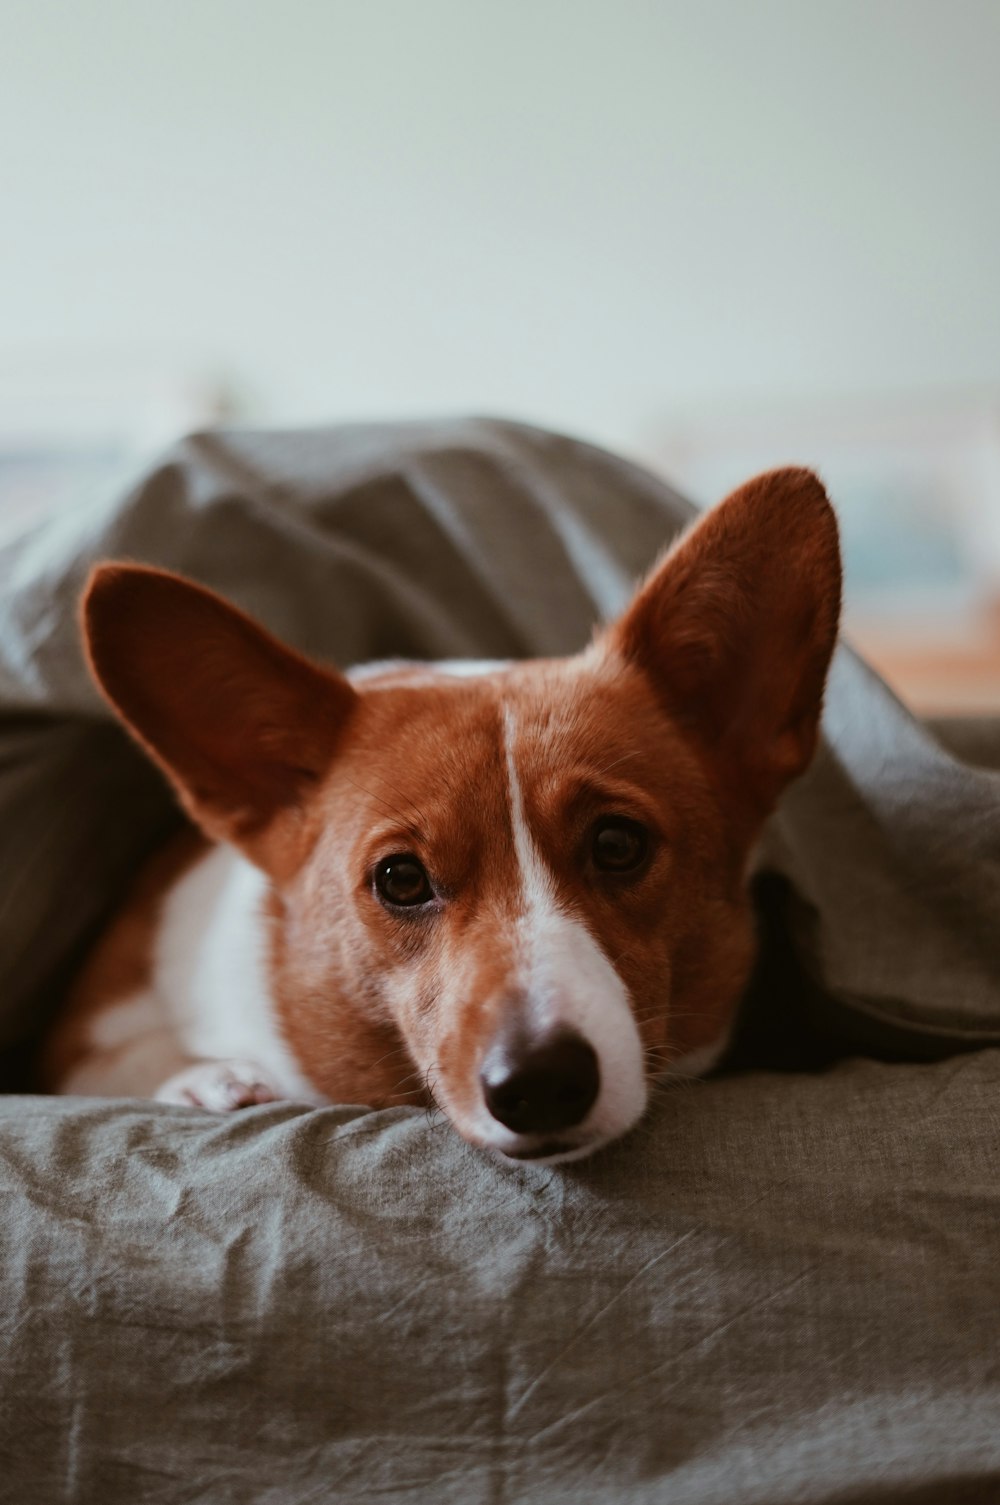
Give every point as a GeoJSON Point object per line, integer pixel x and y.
{"type": "Point", "coordinates": [516, 890]}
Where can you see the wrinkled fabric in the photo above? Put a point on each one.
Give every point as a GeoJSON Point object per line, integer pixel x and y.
{"type": "Point", "coordinates": [782, 1287]}
{"type": "Point", "coordinates": [779, 1289]}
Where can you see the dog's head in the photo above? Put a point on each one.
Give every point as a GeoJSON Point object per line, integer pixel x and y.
{"type": "Point", "coordinates": [520, 889]}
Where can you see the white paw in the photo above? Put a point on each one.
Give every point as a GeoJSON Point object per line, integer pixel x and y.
{"type": "Point", "coordinates": [219, 1086]}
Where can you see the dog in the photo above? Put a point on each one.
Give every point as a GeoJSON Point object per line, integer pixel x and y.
{"type": "Point", "coordinates": [516, 891]}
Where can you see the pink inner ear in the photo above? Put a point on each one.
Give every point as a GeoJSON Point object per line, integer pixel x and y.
{"type": "Point", "coordinates": [242, 725]}
{"type": "Point", "coordinates": [737, 625]}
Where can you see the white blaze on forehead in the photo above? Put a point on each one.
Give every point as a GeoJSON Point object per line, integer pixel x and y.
{"type": "Point", "coordinates": [567, 979]}
{"type": "Point", "coordinates": [536, 881]}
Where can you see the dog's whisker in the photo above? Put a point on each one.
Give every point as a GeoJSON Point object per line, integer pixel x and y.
{"type": "Point", "coordinates": [405, 798]}
{"type": "Point", "coordinates": [429, 1085]}
{"type": "Point", "coordinates": [419, 1089]}
{"type": "Point", "coordinates": [401, 815]}
{"type": "Point", "coordinates": [398, 1051]}
{"type": "Point", "coordinates": [411, 1074]}
{"type": "Point", "coordinates": [623, 759]}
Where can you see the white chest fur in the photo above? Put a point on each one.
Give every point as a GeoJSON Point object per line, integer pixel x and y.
{"type": "Point", "coordinates": [209, 996]}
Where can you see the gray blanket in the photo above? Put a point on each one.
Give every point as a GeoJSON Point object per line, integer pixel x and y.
{"type": "Point", "coordinates": [782, 1287]}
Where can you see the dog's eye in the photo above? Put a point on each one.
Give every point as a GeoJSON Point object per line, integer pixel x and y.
{"type": "Point", "coordinates": [402, 881]}
{"type": "Point", "coordinates": [619, 845]}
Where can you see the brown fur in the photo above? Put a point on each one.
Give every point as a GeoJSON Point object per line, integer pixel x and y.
{"type": "Point", "coordinates": [119, 965]}
{"type": "Point", "coordinates": [599, 742]}
{"type": "Point", "coordinates": [690, 715]}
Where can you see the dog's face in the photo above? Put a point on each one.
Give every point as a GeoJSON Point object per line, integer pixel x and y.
{"type": "Point", "coordinates": [532, 878]}
{"type": "Point", "coordinates": [520, 890]}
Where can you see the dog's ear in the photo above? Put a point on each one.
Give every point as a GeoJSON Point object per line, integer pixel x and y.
{"type": "Point", "coordinates": [243, 726]}
{"type": "Point", "coordinates": [737, 625]}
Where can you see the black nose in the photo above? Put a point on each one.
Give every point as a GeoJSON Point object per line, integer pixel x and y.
{"type": "Point", "coordinates": [535, 1086]}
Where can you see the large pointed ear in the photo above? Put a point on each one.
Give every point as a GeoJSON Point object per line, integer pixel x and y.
{"type": "Point", "coordinates": [736, 628]}
{"type": "Point", "coordinates": [243, 726]}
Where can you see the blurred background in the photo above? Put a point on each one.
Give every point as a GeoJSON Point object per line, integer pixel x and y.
{"type": "Point", "coordinates": [714, 236]}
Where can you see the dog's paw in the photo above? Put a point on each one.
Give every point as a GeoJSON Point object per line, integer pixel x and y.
{"type": "Point", "coordinates": [219, 1086]}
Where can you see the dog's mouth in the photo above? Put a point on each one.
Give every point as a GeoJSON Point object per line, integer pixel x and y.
{"type": "Point", "coordinates": [542, 1146]}
{"type": "Point", "coordinates": [539, 1148]}
{"type": "Point", "coordinates": [550, 1147]}
{"type": "Point", "coordinates": [552, 1151]}
{"type": "Point", "coordinates": [536, 1149]}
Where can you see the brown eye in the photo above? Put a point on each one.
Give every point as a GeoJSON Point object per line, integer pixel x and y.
{"type": "Point", "coordinates": [403, 882]}
{"type": "Point", "coordinates": [619, 845]}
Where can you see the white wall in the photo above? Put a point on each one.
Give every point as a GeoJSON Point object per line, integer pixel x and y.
{"type": "Point", "coordinates": [591, 214]}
